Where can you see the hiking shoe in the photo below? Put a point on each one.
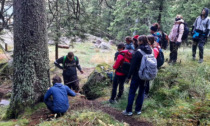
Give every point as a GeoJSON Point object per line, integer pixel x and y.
{"type": "Point", "coordinates": [138, 112]}
{"type": "Point", "coordinates": [193, 58]}
{"type": "Point", "coordinates": [127, 113]}
{"type": "Point", "coordinates": [200, 61]}
{"type": "Point", "coordinates": [112, 101]}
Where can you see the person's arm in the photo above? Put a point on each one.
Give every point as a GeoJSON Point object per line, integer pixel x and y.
{"type": "Point", "coordinates": [78, 65]}
{"type": "Point", "coordinates": [70, 92]}
{"type": "Point", "coordinates": [48, 94]}
{"type": "Point", "coordinates": [118, 62]}
{"type": "Point", "coordinates": [133, 64]}
{"type": "Point", "coordinates": [181, 32]}
{"type": "Point", "coordinates": [58, 62]}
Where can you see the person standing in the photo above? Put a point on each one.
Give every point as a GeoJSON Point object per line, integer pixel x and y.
{"type": "Point", "coordinates": [200, 31]}
{"type": "Point", "coordinates": [70, 63]}
{"type": "Point", "coordinates": [175, 38]}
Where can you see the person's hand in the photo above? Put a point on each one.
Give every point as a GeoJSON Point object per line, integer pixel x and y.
{"type": "Point", "coordinates": [81, 72]}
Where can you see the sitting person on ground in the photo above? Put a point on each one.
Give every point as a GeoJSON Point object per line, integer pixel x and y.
{"type": "Point", "coordinates": [136, 82]}
{"type": "Point", "coordinates": [59, 103]}
{"type": "Point", "coordinates": [120, 75]}
{"type": "Point", "coordinates": [175, 38]}
{"type": "Point", "coordinates": [69, 65]}
{"type": "Point", "coordinates": [129, 43]}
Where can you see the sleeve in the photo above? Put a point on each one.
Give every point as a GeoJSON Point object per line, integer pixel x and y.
{"type": "Point", "coordinates": [195, 23]}
{"type": "Point", "coordinates": [170, 35]}
{"type": "Point", "coordinates": [181, 32]}
{"type": "Point", "coordinates": [58, 62]}
{"type": "Point", "coordinates": [156, 52]}
{"type": "Point", "coordinates": [70, 92]}
{"type": "Point", "coordinates": [209, 24]}
{"type": "Point", "coordinates": [78, 65]}
{"type": "Point", "coordinates": [118, 62]}
{"type": "Point", "coordinates": [133, 64]}
{"type": "Point", "coordinates": [48, 94]}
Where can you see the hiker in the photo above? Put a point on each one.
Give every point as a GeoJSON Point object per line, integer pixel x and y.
{"type": "Point", "coordinates": [70, 63]}
{"type": "Point", "coordinates": [200, 31]}
{"type": "Point", "coordinates": [123, 57]}
{"type": "Point", "coordinates": [129, 43]}
{"type": "Point", "coordinates": [175, 38]}
{"type": "Point", "coordinates": [135, 42]}
{"type": "Point", "coordinates": [59, 103]}
{"type": "Point", "coordinates": [136, 82]}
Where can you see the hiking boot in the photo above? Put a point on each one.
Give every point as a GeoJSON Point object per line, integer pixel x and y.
{"type": "Point", "coordinates": [112, 101]}
{"type": "Point", "coordinates": [193, 58]}
{"type": "Point", "coordinates": [127, 113]}
{"type": "Point", "coordinates": [138, 112]}
{"type": "Point", "coordinates": [200, 61]}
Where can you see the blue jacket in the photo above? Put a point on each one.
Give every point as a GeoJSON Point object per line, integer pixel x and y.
{"type": "Point", "coordinates": [60, 93]}
{"type": "Point", "coordinates": [129, 46]}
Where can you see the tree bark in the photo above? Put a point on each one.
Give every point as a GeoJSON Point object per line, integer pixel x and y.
{"type": "Point", "coordinates": [160, 12]}
{"type": "Point", "coordinates": [31, 58]}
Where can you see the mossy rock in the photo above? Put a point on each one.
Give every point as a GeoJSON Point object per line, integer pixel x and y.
{"type": "Point", "coordinates": [98, 82]}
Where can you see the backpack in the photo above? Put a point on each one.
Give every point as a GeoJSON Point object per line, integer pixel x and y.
{"type": "Point", "coordinates": [160, 59]}
{"type": "Point", "coordinates": [148, 69]}
{"type": "Point", "coordinates": [125, 67]}
{"type": "Point", "coordinates": [186, 31]}
{"type": "Point", "coordinates": [164, 41]}
{"type": "Point", "coordinates": [64, 60]}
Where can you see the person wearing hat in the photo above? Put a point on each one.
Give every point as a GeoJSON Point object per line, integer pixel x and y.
{"type": "Point", "coordinates": [154, 30]}
{"type": "Point", "coordinates": [135, 42]}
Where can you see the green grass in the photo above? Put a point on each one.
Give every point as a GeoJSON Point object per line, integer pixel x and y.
{"type": "Point", "coordinates": [84, 117]}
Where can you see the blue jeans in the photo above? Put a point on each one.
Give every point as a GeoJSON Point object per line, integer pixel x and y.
{"type": "Point", "coordinates": [136, 83]}
{"type": "Point", "coordinates": [118, 80]}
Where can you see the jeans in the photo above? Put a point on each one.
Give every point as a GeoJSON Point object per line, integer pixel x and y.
{"type": "Point", "coordinates": [118, 80]}
{"type": "Point", "coordinates": [147, 88]}
{"type": "Point", "coordinates": [200, 43]}
{"type": "Point", "coordinates": [136, 83]}
{"type": "Point", "coordinates": [174, 48]}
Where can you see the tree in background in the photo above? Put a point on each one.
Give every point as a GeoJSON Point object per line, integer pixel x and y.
{"type": "Point", "coordinates": [31, 61]}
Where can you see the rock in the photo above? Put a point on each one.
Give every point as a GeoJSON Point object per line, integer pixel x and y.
{"type": "Point", "coordinates": [51, 42]}
{"type": "Point", "coordinates": [98, 42]}
{"type": "Point", "coordinates": [112, 42]}
{"type": "Point", "coordinates": [98, 82]}
{"type": "Point", "coordinates": [104, 45]}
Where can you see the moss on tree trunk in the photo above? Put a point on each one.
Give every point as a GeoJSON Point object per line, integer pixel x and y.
{"type": "Point", "coordinates": [31, 60]}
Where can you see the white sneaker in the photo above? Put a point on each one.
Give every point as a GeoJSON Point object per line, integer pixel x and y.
{"type": "Point", "coordinates": [127, 113]}
{"type": "Point", "coordinates": [138, 113]}
{"type": "Point", "coordinates": [200, 61]}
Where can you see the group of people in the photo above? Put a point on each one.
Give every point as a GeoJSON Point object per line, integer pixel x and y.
{"type": "Point", "coordinates": [130, 59]}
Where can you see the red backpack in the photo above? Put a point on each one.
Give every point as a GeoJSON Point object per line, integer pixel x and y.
{"type": "Point", "coordinates": [125, 67]}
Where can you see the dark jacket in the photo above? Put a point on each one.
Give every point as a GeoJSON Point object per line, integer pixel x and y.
{"type": "Point", "coordinates": [69, 68]}
{"type": "Point", "coordinates": [60, 93]}
{"type": "Point", "coordinates": [136, 60]}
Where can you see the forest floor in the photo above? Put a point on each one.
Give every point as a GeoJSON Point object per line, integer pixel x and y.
{"type": "Point", "coordinates": [179, 96]}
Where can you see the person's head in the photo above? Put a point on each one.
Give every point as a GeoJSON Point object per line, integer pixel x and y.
{"type": "Point", "coordinates": [205, 12]}
{"type": "Point", "coordinates": [142, 40]}
{"type": "Point", "coordinates": [56, 79]}
{"type": "Point", "coordinates": [154, 28]}
{"type": "Point", "coordinates": [151, 39]}
{"type": "Point", "coordinates": [135, 41]}
{"type": "Point", "coordinates": [120, 47]}
{"type": "Point", "coordinates": [178, 17]}
{"type": "Point", "coordinates": [70, 56]}
{"type": "Point", "coordinates": [128, 40]}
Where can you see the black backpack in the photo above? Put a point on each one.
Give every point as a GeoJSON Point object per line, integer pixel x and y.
{"type": "Point", "coordinates": [164, 41]}
{"type": "Point", "coordinates": [160, 59]}
{"type": "Point", "coordinates": [186, 31]}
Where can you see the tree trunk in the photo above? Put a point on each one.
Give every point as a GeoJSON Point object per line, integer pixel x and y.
{"type": "Point", "coordinates": [160, 12]}
{"type": "Point", "coordinates": [31, 59]}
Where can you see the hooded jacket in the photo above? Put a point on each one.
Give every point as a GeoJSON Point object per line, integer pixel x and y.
{"type": "Point", "coordinates": [202, 25]}
{"type": "Point", "coordinates": [60, 93]}
{"type": "Point", "coordinates": [177, 31]}
{"type": "Point", "coordinates": [136, 60]}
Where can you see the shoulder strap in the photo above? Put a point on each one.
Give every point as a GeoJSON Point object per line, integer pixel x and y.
{"type": "Point", "coordinates": [64, 60]}
{"type": "Point", "coordinates": [142, 52]}
{"type": "Point", "coordinates": [75, 58]}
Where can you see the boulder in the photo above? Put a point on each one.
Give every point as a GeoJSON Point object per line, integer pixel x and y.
{"type": "Point", "coordinates": [98, 83]}
{"type": "Point", "coordinates": [104, 45]}
{"type": "Point", "coordinates": [112, 42]}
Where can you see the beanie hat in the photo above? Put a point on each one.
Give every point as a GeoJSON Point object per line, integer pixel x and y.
{"type": "Point", "coordinates": [154, 28]}
{"type": "Point", "coordinates": [136, 36]}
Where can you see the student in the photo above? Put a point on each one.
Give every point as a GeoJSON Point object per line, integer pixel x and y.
{"type": "Point", "coordinates": [129, 43]}
{"type": "Point", "coordinates": [59, 92]}
{"type": "Point", "coordinates": [200, 31]}
{"type": "Point", "coordinates": [70, 63]}
{"type": "Point", "coordinates": [120, 76]}
{"type": "Point", "coordinates": [136, 82]}
{"type": "Point", "coordinates": [154, 30]}
{"type": "Point", "coordinates": [175, 38]}
{"type": "Point", "coordinates": [135, 42]}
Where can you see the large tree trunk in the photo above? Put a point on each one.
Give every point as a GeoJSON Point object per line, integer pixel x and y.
{"type": "Point", "coordinates": [31, 61]}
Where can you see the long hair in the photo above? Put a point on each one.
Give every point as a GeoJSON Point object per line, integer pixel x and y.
{"type": "Point", "coordinates": [143, 38]}
{"type": "Point", "coordinates": [151, 39]}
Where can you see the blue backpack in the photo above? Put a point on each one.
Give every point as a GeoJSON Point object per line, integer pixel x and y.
{"type": "Point", "coordinates": [160, 59]}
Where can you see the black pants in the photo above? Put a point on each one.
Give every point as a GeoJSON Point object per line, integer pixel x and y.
{"type": "Point", "coordinates": [200, 43]}
{"type": "Point", "coordinates": [74, 82]}
{"type": "Point", "coordinates": [173, 48]}
{"type": "Point", "coordinates": [118, 80]}
{"type": "Point", "coordinates": [147, 88]}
